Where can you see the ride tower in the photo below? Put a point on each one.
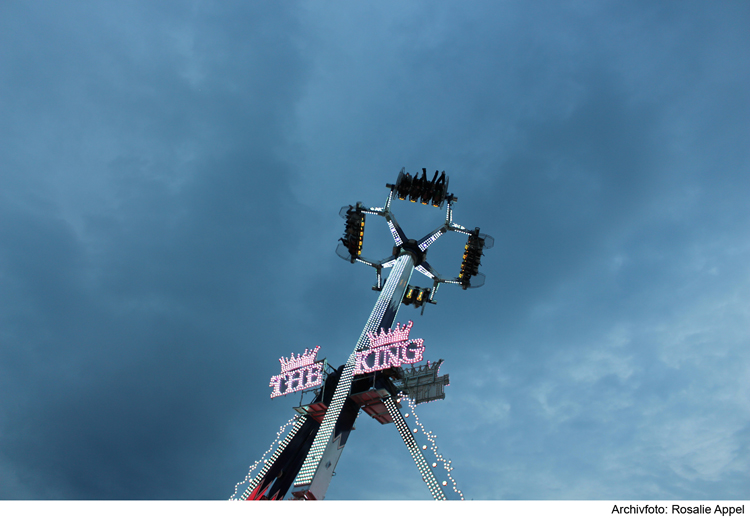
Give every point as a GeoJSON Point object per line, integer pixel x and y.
{"type": "Point", "coordinates": [380, 372]}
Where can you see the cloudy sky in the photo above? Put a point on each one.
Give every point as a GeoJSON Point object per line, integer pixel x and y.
{"type": "Point", "coordinates": [170, 178]}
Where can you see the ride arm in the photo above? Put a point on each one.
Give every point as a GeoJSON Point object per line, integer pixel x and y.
{"type": "Point", "coordinates": [431, 237]}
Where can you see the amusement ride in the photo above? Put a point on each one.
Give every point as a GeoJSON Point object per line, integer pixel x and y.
{"type": "Point", "coordinates": [382, 373]}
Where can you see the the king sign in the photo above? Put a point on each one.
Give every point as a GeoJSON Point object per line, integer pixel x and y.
{"type": "Point", "coordinates": [389, 348]}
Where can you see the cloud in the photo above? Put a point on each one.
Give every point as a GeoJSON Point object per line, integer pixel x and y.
{"type": "Point", "coordinates": [172, 175]}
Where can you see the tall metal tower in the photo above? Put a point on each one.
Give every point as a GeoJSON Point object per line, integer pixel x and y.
{"type": "Point", "coordinates": [306, 458]}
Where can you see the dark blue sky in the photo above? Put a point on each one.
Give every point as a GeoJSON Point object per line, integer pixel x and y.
{"type": "Point", "coordinates": [170, 179]}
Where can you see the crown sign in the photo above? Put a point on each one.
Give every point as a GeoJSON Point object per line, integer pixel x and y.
{"type": "Point", "coordinates": [305, 359]}
{"type": "Point", "coordinates": [390, 336]}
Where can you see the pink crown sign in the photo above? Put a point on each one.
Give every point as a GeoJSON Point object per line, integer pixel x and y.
{"type": "Point", "coordinates": [297, 373]}
{"type": "Point", "coordinates": [389, 348]}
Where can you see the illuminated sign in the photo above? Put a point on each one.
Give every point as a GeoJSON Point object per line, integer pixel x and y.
{"type": "Point", "coordinates": [389, 348]}
{"type": "Point", "coordinates": [299, 373]}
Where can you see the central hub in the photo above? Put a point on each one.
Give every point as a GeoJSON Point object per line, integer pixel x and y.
{"type": "Point", "coordinates": [412, 248]}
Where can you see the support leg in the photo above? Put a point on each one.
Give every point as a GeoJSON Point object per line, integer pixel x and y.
{"type": "Point", "coordinates": [413, 447]}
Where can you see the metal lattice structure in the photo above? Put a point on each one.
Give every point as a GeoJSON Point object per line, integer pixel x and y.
{"type": "Point", "coordinates": [305, 460]}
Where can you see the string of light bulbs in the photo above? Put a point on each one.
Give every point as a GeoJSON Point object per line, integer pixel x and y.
{"type": "Point", "coordinates": [431, 437]}
{"type": "Point", "coordinates": [411, 444]}
{"type": "Point", "coordinates": [252, 468]}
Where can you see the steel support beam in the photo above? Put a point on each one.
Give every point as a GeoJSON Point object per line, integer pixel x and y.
{"type": "Point", "coordinates": [413, 447]}
{"type": "Point", "coordinates": [317, 470]}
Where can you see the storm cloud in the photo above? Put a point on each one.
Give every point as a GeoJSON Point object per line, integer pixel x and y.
{"type": "Point", "coordinates": [170, 179]}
